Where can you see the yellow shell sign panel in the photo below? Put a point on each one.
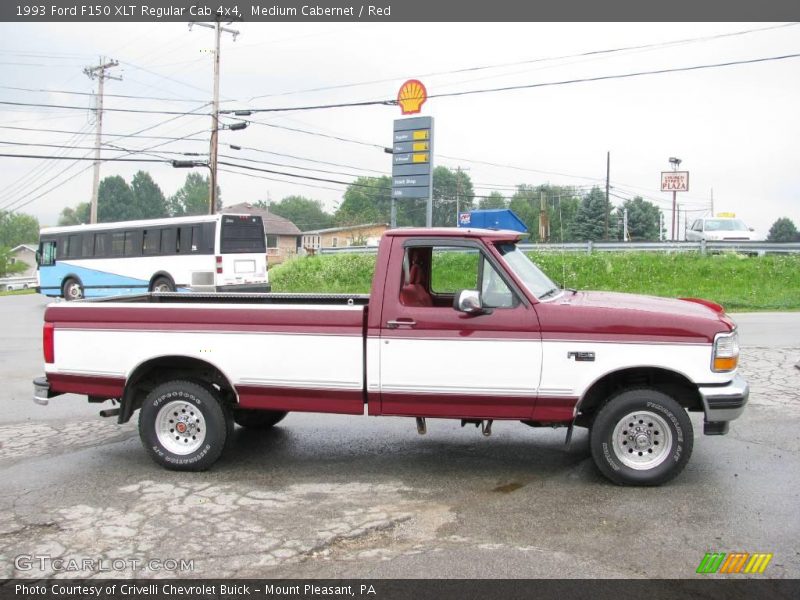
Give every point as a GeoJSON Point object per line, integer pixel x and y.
{"type": "Point", "coordinates": [411, 96]}
{"type": "Point", "coordinates": [675, 181]}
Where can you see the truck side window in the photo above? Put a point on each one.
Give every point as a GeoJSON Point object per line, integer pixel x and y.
{"type": "Point", "coordinates": [454, 269]}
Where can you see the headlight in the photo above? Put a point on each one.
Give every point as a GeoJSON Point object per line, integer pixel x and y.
{"type": "Point", "coordinates": [725, 356]}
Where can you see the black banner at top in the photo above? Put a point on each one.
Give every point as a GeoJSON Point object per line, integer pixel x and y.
{"type": "Point", "coordinates": [397, 10]}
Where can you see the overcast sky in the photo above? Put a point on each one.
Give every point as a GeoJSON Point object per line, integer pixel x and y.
{"type": "Point", "coordinates": [736, 128]}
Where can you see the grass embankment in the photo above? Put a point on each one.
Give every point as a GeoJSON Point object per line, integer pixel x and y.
{"type": "Point", "coordinates": [739, 283]}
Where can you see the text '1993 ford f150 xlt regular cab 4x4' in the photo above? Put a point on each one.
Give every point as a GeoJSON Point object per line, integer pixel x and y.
{"type": "Point", "coordinates": [459, 324]}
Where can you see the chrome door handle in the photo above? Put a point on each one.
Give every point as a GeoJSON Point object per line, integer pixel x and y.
{"type": "Point", "coordinates": [400, 323]}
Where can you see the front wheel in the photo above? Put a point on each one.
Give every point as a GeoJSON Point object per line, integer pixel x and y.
{"type": "Point", "coordinates": [183, 426]}
{"type": "Point", "coordinates": [641, 437]}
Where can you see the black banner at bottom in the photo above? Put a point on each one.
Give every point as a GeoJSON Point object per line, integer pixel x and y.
{"type": "Point", "coordinates": [392, 589]}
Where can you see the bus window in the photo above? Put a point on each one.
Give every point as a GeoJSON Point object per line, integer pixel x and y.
{"type": "Point", "coordinates": [73, 249]}
{"type": "Point", "coordinates": [101, 245]}
{"type": "Point", "coordinates": [169, 241]}
{"type": "Point", "coordinates": [47, 254]}
{"type": "Point", "coordinates": [241, 235]}
{"type": "Point", "coordinates": [117, 243]}
{"type": "Point", "coordinates": [185, 239]}
{"type": "Point", "coordinates": [133, 243]}
{"type": "Point", "coordinates": [152, 242]}
{"type": "Point", "coordinates": [195, 238]}
{"type": "Point", "coordinates": [88, 245]}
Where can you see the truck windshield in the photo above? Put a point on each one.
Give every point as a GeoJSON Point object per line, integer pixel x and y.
{"type": "Point", "coordinates": [539, 284]}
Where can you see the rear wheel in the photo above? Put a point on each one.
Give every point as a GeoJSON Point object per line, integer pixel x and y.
{"type": "Point", "coordinates": [258, 419]}
{"type": "Point", "coordinates": [641, 437]}
{"type": "Point", "coordinates": [162, 284]}
{"type": "Point", "coordinates": [184, 426]}
{"type": "Point", "coordinates": [72, 290]}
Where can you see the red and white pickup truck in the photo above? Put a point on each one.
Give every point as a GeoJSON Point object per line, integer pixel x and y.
{"type": "Point", "coordinates": [459, 324]}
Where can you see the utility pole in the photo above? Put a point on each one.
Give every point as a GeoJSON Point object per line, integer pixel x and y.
{"type": "Point", "coordinates": [212, 154]}
{"type": "Point", "coordinates": [98, 72]}
{"type": "Point", "coordinates": [625, 236]}
{"type": "Point", "coordinates": [712, 202]}
{"type": "Point", "coordinates": [459, 170]}
{"type": "Point", "coordinates": [544, 219]}
{"type": "Point", "coordinates": [661, 226]}
{"type": "Point", "coordinates": [608, 187]}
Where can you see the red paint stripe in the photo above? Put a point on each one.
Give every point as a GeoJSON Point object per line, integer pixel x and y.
{"type": "Point", "coordinates": [346, 402]}
{"type": "Point", "coordinates": [105, 387]}
{"type": "Point", "coordinates": [456, 406]}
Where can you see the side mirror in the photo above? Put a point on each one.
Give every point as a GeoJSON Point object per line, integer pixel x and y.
{"type": "Point", "coordinates": [38, 258]}
{"type": "Point", "coordinates": [469, 302]}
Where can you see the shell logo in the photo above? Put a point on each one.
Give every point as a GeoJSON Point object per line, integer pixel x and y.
{"type": "Point", "coordinates": [412, 96]}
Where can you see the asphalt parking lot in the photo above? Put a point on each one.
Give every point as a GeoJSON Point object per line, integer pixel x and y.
{"type": "Point", "coordinates": [330, 496]}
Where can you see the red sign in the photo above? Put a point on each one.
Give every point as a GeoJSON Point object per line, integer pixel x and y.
{"type": "Point", "coordinates": [675, 181]}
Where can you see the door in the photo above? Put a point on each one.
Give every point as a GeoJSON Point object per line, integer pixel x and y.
{"type": "Point", "coordinates": [437, 361]}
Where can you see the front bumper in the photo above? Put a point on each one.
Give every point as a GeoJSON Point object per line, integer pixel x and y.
{"type": "Point", "coordinates": [723, 404]}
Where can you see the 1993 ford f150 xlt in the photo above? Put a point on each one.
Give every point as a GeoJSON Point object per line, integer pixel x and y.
{"type": "Point", "coordinates": [459, 324]}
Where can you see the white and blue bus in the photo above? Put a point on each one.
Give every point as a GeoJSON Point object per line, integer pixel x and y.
{"type": "Point", "coordinates": [210, 253]}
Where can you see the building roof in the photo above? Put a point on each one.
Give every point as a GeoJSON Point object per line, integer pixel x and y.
{"type": "Point", "coordinates": [347, 228]}
{"type": "Point", "coordinates": [28, 247]}
{"type": "Point", "coordinates": [273, 224]}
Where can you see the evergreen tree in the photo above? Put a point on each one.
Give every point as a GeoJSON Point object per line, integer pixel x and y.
{"type": "Point", "coordinates": [590, 220]}
{"type": "Point", "coordinates": [644, 220]}
{"type": "Point", "coordinates": [783, 230]}
{"type": "Point", "coordinates": [115, 201]}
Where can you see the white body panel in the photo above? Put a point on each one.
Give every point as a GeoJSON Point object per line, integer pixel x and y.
{"type": "Point", "coordinates": [456, 366]}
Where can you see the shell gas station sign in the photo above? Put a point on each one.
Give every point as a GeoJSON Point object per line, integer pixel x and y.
{"type": "Point", "coordinates": [412, 147]}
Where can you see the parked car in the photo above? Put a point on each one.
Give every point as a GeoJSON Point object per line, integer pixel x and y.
{"type": "Point", "coordinates": [712, 229]}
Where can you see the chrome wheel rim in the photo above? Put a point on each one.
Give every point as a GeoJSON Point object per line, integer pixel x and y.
{"type": "Point", "coordinates": [180, 427]}
{"type": "Point", "coordinates": [642, 440]}
{"type": "Point", "coordinates": [161, 287]}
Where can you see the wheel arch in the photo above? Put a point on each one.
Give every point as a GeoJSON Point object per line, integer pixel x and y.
{"type": "Point", "coordinates": [156, 370]}
{"type": "Point", "coordinates": [671, 382]}
{"type": "Point", "coordinates": [158, 274]}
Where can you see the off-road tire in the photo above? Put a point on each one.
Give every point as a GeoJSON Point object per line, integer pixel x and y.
{"type": "Point", "coordinates": [201, 408]}
{"type": "Point", "coordinates": [641, 437]}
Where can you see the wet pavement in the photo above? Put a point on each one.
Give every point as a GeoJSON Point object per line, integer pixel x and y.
{"type": "Point", "coordinates": [338, 496]}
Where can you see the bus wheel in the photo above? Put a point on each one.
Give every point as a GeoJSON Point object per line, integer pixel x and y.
{"type": "Point", "coordinates": [162, 284]}
{"type": "Point", "coordinates": [72, 290]}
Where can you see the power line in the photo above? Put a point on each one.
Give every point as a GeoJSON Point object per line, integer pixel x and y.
{"type": "Point", "coordinates": [143, 137]}
{"type": "Point", "coordinates": [71, 107]}
{"type": "Point", "coordinates": [77, 93]}
{"type": "Point", "coordinates": [392, 102]}
{"type": "Point", "coordinates": [531, 61]}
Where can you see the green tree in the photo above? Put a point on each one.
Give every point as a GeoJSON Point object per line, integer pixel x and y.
{"type": "Point", "coordinates": [366, 200]}
{"type": "Point", "coordinates": [644, 219]}
{"type": "Point", "coordinates": [192, 197]}
{"type": "Point", "coordinates": [783, 230]}
{"type": "Point", "coordinates": [115, 201]}
{"type": "Point", "coordinates": [493, 200]}
{"type": "Point", "coordinates": [78, 215]}
{"type": "Point", "coordinates": [306, 213]}
{"type": "Point", "coordinates": [17, 228]}
{"type": "Point", "coordinates": [590, 220]}
{"type": "Point", "coordinates": [148, 197]}
{"type": "Point", "coordinates": [452, 193]}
